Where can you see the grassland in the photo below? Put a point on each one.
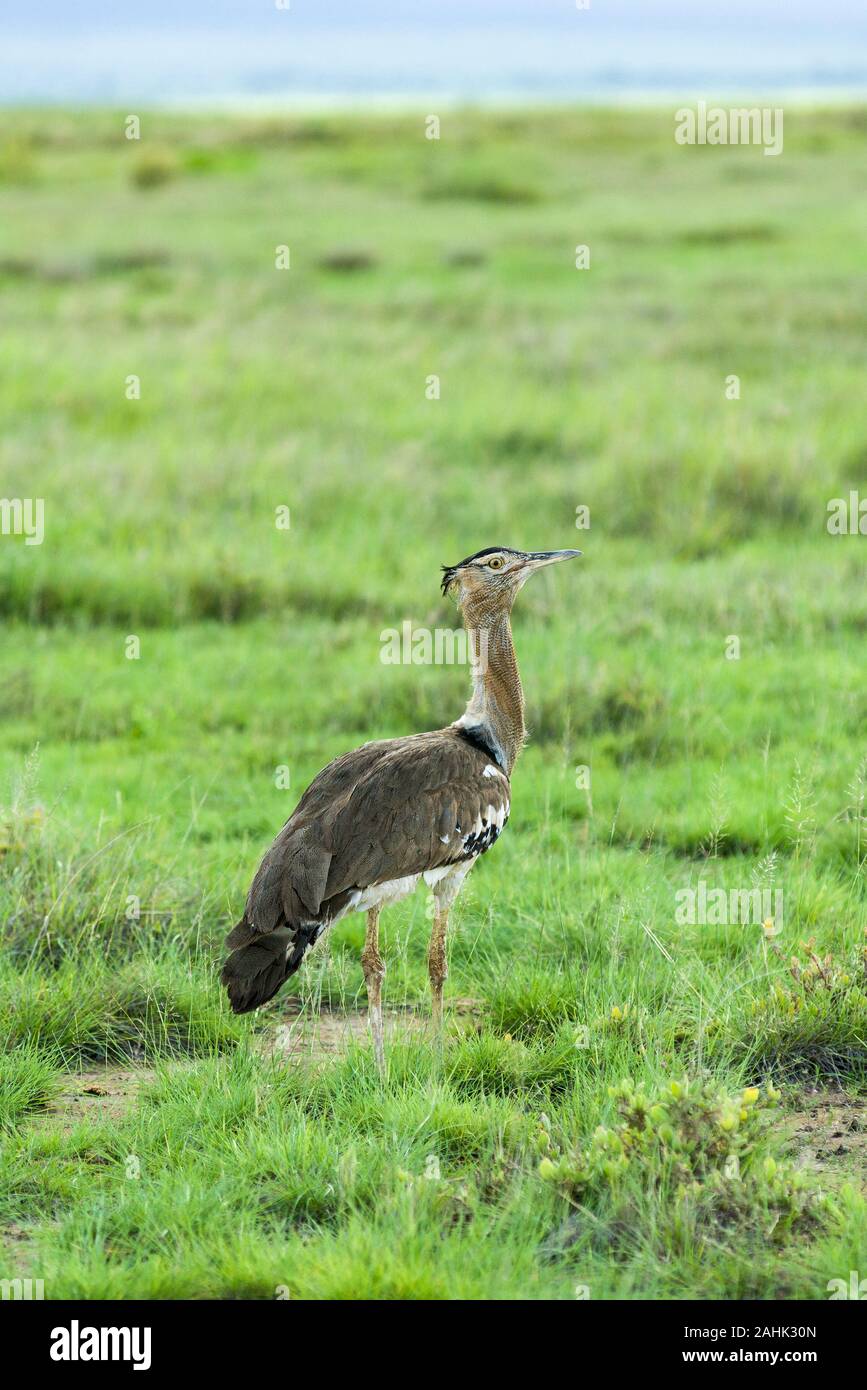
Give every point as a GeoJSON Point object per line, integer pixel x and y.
{"type": "Point", "coordinates": [138, 795]}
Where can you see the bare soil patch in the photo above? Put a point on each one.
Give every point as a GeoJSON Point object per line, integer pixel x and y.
{"type": "Point", "coordinates": [305, 1033]}
{"type": "Point", "coordinates": [106, 1093]}
{"type": "Point", "coordinates": [828, 1134]}
{"type": "Point", "coordinates": [324, 1033]}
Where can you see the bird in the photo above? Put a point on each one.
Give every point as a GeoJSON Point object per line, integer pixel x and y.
{"type": "Point", "coordinates": [379, 819]}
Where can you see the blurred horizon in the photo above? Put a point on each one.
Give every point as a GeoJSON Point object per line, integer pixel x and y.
{"type": "Point", "coordinates": [237, 52]}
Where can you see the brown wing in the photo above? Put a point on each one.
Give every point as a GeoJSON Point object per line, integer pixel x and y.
{"type": "Point", "coordinates": [388, 810]}
{"type": "Point", "coordinates": [425, 804]}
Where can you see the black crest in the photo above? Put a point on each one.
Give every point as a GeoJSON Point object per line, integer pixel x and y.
{"type": "Point", "coordinates": [449, 571]}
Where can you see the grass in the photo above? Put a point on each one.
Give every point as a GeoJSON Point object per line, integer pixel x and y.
{"type": "Point", "coordinates": [29, 1078]}
{"type": "Point", "coordinates": [138, 794]}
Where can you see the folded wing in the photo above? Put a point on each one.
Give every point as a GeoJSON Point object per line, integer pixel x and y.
{"type": "Point", "coordinates": [386, 811]}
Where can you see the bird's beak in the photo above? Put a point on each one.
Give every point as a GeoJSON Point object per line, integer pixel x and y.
{"type": "Point", "coordinates": [539, 558]}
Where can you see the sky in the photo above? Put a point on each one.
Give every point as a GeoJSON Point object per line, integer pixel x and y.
{"type": "Point", "coordinates": [252, 52]}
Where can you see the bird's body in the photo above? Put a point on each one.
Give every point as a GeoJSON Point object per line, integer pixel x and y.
{"type": "Point", "coordinates": [368, 828]}
{"type": "Point", "coordinates": [382, 818]}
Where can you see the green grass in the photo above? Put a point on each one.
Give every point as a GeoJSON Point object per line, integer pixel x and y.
{"type": "Point", "coordinates": [136, 796]}
{"type": "Point", "coordinates": [29, 1079]}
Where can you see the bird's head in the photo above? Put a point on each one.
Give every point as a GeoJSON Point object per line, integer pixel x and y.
{"type": "Point", "coordinates": [492, 577]}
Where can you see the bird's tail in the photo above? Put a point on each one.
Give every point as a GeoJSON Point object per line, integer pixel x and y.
{"type": "Point", "coordinates": [253, 973]}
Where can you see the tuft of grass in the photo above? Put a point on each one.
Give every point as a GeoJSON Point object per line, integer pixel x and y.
{"type": "Point", "coordinates": [154, 167]}
{"type": "Point", "coordinates": [346, 260]}
{"type": "Point", "coordinates": [29, 1080]}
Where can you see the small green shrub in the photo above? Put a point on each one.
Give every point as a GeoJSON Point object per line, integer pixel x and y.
{"type": "Point", "coordinates": [695, 1151]}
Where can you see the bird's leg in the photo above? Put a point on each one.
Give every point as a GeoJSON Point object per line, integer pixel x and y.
{"type": "Point", "coordinates": [374, 968]}
{"type": "Point", "coordinates": [437, 965]}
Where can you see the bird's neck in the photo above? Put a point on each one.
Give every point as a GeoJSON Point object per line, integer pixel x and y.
{"type": "Point", "coordinates": [497, 702]}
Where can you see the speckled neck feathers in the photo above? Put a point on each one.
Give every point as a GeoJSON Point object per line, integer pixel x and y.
{"type": "Point", "coordinates": [497, 702]}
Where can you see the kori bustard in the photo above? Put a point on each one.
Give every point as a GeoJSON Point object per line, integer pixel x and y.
{"type": "Point", "coordinates": [379, 819]}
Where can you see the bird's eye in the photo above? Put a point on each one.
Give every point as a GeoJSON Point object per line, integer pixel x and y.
{"type": "Point", "coordinates": [496, 563]}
